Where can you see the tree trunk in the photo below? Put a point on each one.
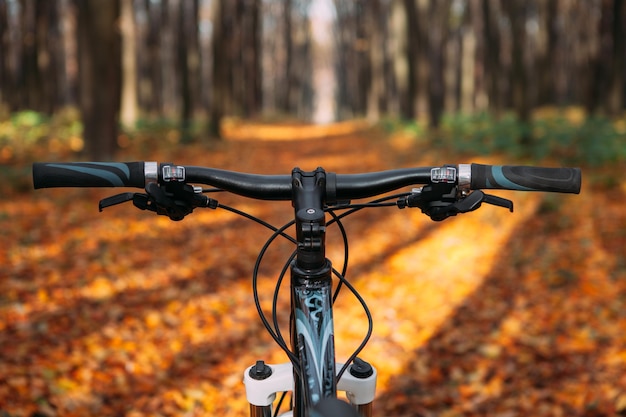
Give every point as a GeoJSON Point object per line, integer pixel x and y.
{"type": "Point", "coordinates": [152, 93]}
{"type": "Point", "coordinates": [516, 12]}
{"type": "Point", "coordinates": [601, 63]}
{"type": "Point", "coordinates": [187, 41]}
{"type": "Point", "coordinates": [346, 57]}
{"type": "Point", "coordinates": [29, 80]}
{"type": "Point", "coordinates": [547, 64]}
{"type": "Point", "coordinates": [439, 12]}
{"type": "Point", "coordinates": [468, 82]}
{"type": "Point", "coordinates": [99, 69]}
{"type": "Point", "coordinates": [302, 87]}
{"type": "Point", "coordinates": [492, 57]}
{"type": "Point", "coordinates": [129, 109]}
{"type": "Point", "coordinates": [323, 80]}
{"type": "Point", "coordinates": [343, 49]}
{"type": "Point", "coordinates": [67, 51]}
{"type": "Point", "coordinates": [222, 61]}
{"type": "Point", "coordinates": [48, 55]}
{"type": "Point", "coordinates": [615, 99]}
{"type": "Point", "coordinates": [413, 44]}
{"type": "Point", "coordinates": [170, 82]}
{"type": "Point", "coordinates": [399, 58]}
{"type": "Point", "coordinates": [376, 60]}
{"type": "Point", "coordinates": [250, 25]}
{"type": "Point", "coordinates": [284, 101]}
{"type": "Point", "coordinates": [6, 76]}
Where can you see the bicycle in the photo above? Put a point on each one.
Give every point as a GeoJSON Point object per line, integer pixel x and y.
{"type": "Point", "coordinates": [311, 375]}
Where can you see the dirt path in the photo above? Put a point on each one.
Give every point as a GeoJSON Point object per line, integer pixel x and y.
{"type": "Point", "coordinates": [124, 313]}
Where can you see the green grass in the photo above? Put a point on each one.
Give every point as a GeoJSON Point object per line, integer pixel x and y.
{"type": "Point", "coordinates": [589, 141]}
{"type": "Point", "coordinates": [28, 136]}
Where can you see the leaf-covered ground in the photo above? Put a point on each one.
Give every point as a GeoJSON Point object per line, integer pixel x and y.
{"type": "Point", "coordinates": [123, 313]}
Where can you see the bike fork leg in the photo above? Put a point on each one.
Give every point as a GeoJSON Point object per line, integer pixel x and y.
{"type": "Point", "coordinates": [260, 410]}
{"type": "Point", "coordinates": [365, 410]}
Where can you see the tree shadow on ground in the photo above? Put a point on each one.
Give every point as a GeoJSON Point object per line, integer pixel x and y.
{"type": "Point", "coordinates": [524, 342]}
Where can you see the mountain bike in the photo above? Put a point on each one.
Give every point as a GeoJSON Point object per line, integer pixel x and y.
{"type": "Point", "coordinates": [311, 375]}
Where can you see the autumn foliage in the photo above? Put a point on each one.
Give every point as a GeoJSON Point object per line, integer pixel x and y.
{"type": "Point", "coordinates": [123, 313]}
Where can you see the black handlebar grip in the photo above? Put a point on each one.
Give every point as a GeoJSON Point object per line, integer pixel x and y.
{"type": "Point", "coordinates": [525, 178]}
{"type": "Point", "coordinates": [88, 174]}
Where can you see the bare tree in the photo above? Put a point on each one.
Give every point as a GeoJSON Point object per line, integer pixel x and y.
{"type": "Point", "coordinates": [29, 78]}
{"type": "Point", "coordinates": [223, 45]}
{"type": "Point", "coordinates": [129, 104]}
{"type": "Point", "coordinates": [492, 56]}
{"type": "Point", "coordinates": [376, 82]}
{"type": "Point", "coordinates": [438, 13]}
{"type": "Point", "coordinates": [187, 62]}
{"type": "Point", "coordinates": [6, 75]}
{"type": "Point", "coordinates": [251, 49]}
{"type": "Point", "coordinates": [99, 57]}
{"type": "Point", "coordinates": [285, 102]}
{"type": "Point", "coordinates": [549, 53]}
{"type": "Point", "coordinates": [516, 12]}
{"type": "Point", "coordinates": [397, 47]}
{"type": "Point", "coordinates": [414, 44]}
{"type": "Point", "coordinates": [615, 99]}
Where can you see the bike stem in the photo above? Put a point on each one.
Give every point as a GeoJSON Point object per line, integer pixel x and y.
{"type": "Point", "coordinates": [312, 333]}
{"type": "Point", "coordinates": [309, 190]}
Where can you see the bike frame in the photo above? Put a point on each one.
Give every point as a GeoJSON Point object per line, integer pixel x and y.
{"type": "Point", "coordinates": [312, 330]}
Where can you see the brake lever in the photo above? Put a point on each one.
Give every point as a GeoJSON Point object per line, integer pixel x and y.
{"type": "Point", "coordinates": [115, 200]}
{"type": "Point", "coordinates": [140, 200]}
{"type": "Point", "coordinates": [176, 205]}
{"type": "Point", "coordinates": [498, 201]}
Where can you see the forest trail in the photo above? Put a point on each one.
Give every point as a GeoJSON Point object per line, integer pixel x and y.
{"type": "Point", "coordinates": [128, 314]}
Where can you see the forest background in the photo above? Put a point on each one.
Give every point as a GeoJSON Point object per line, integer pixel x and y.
{"type": "Point", "coordinates": [121, 313]}
{"type": "Point", "coordinates": [479, 67]}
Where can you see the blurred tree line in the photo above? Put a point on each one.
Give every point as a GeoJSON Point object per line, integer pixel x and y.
{"type": "Point", "coordinates": [123, 60]}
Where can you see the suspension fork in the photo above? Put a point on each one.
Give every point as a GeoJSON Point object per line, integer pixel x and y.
{"type": "Point", "coordinates": [312, 332]}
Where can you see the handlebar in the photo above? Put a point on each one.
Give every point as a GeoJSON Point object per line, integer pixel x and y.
{"type": "Point", "coordinates": [525, 178]}
{"type": "Point", "coordinates": [89, 174]}
{"type": "Point", "coordinates": [279, 187]}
